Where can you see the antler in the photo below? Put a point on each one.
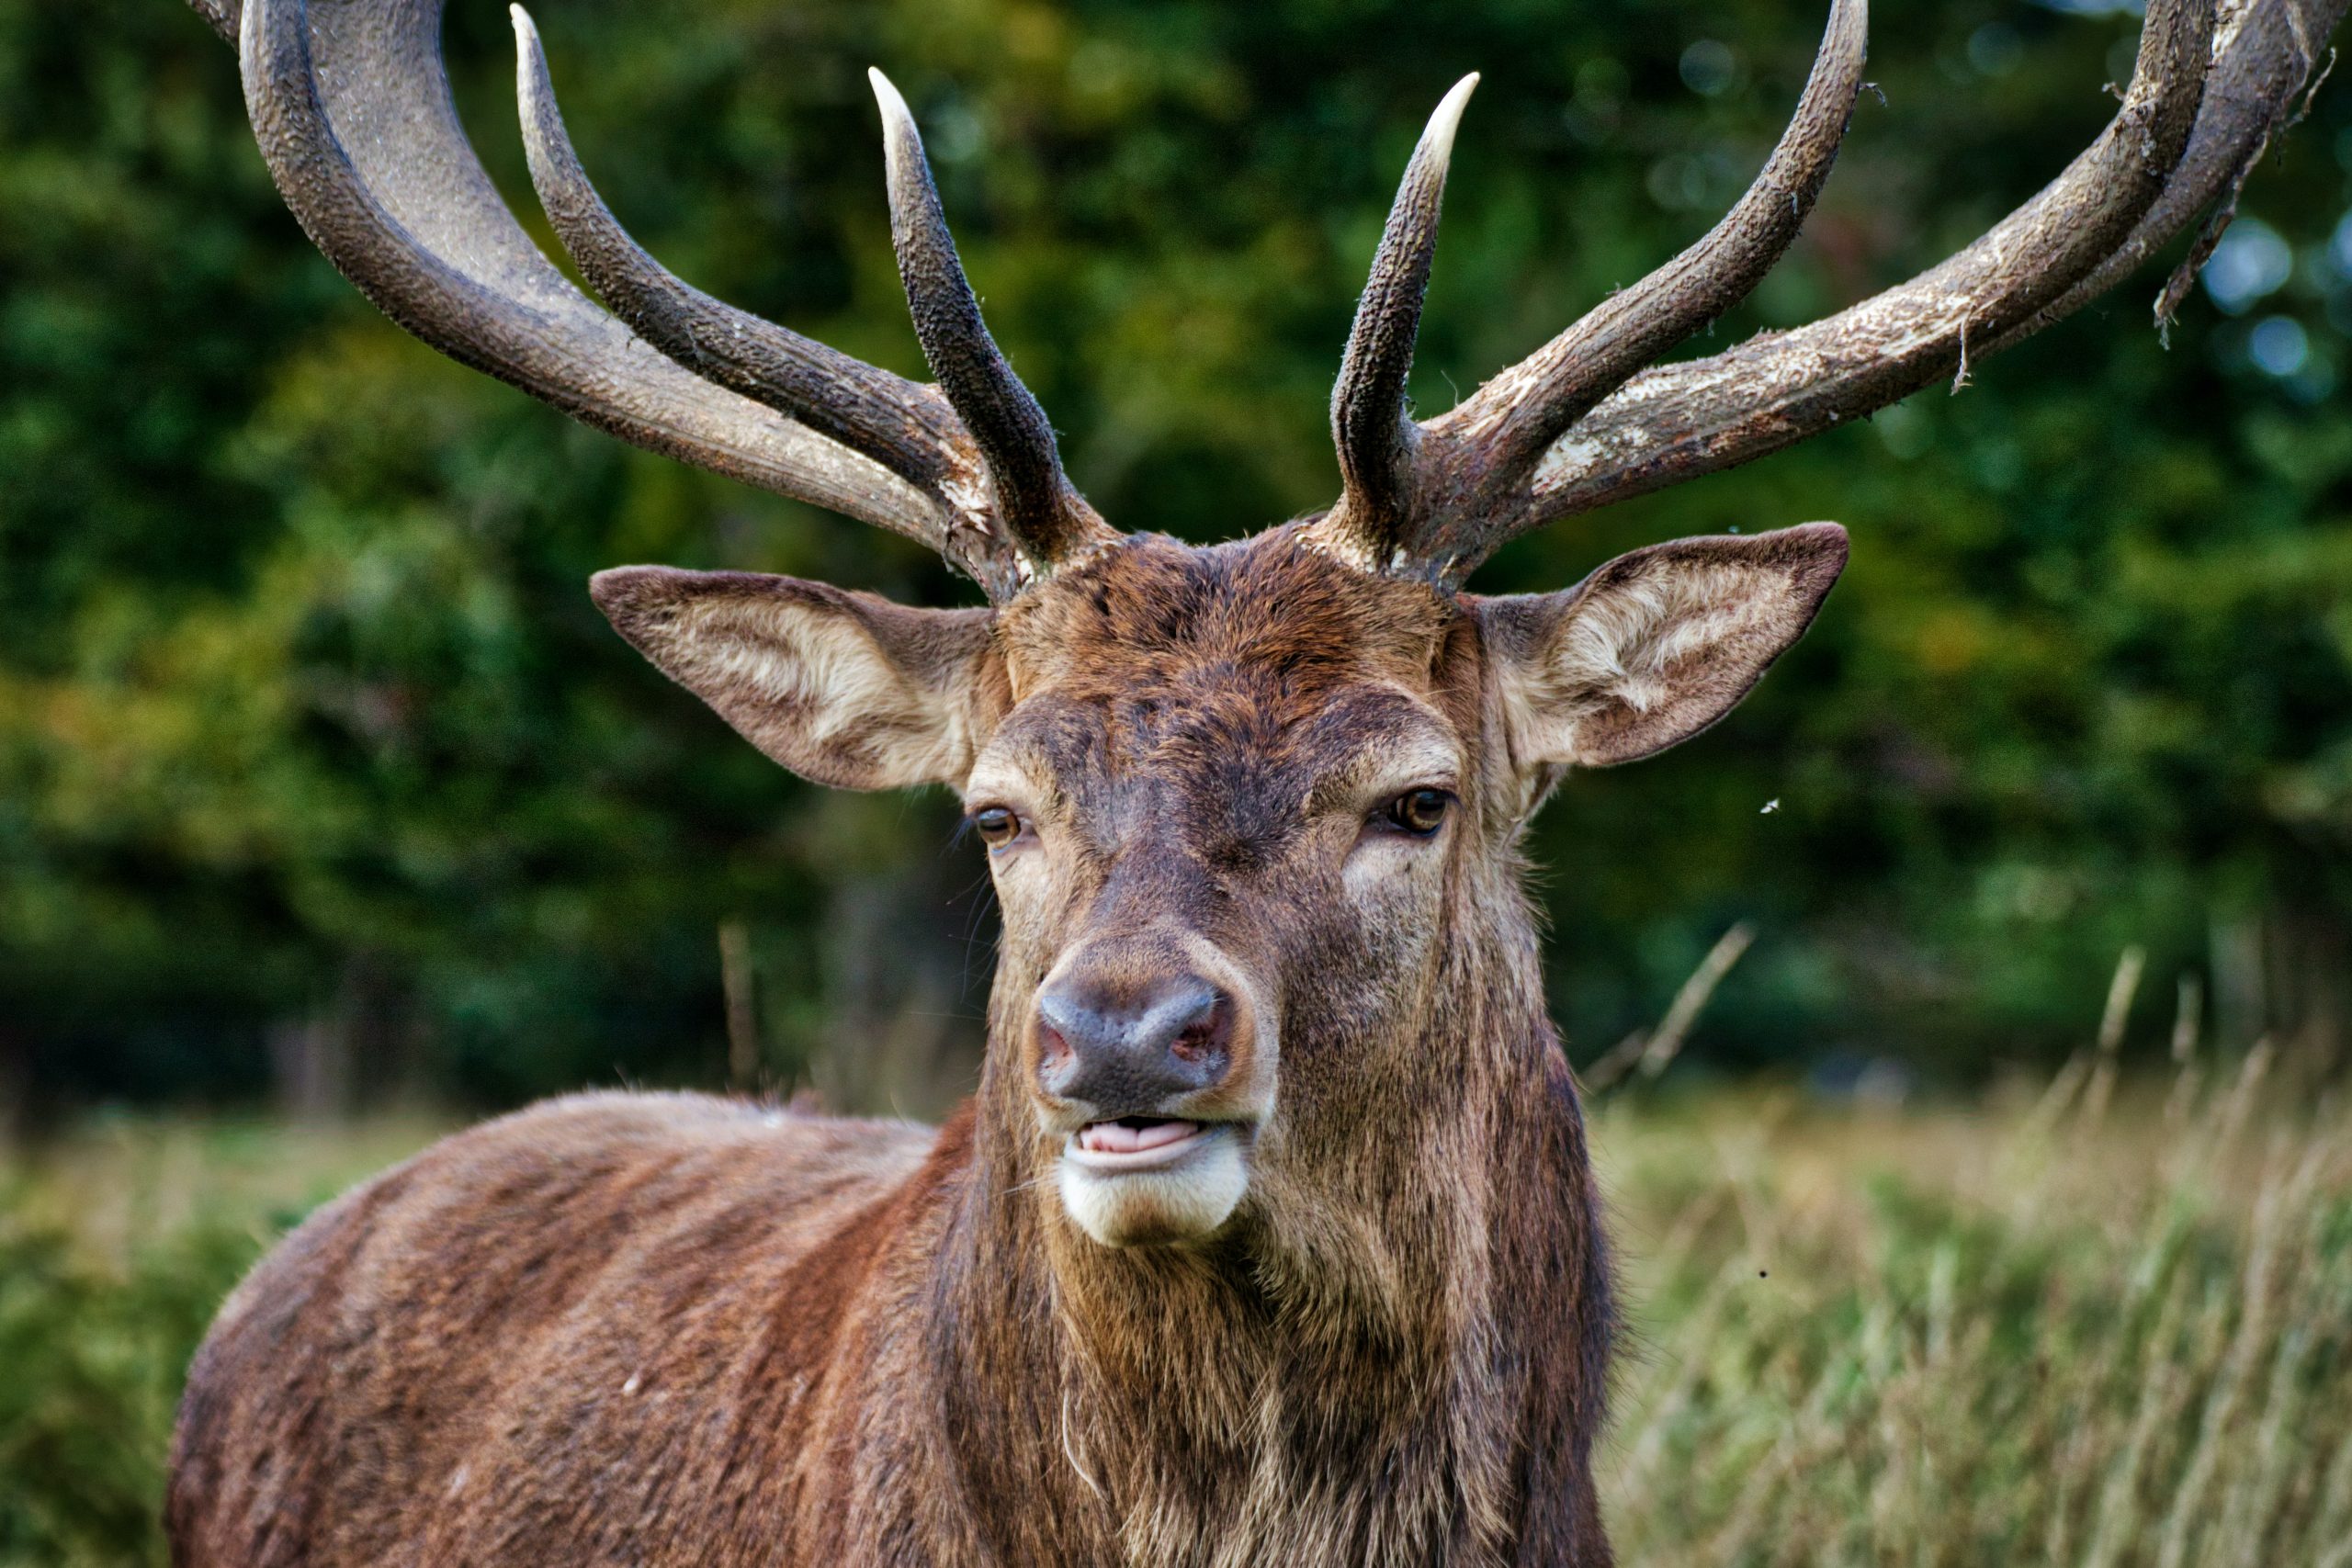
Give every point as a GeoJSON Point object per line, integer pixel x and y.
{"type": "Point", "coordinates": [1377, 440]}
{"type": "Point", "coordinates": [1010, 427]}
{"type": "Point", "coordinates": [1579, 423]}
{"type": "Point", "coordinates": [351, 106]}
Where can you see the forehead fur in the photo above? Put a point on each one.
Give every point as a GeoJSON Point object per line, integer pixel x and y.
{"type": "Point", "coordinates": [1220, 691]}
{"type": "Point", "coordinates": [1152, 613]}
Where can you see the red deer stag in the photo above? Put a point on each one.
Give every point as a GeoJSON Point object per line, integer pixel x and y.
{"type": "Point", "coordinates": [1269, 1236]}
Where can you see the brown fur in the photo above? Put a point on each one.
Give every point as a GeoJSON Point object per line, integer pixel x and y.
{"type": "Point", "coordinates": [670, 1329]}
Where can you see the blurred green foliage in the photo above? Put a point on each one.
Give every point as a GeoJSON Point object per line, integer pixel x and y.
{"type": "Point", "coordinates": [115, 1249]}
{"type": "Point", "coordinates": [306, 722]}
{"type": "Point", "coordinates": [98, 1357]}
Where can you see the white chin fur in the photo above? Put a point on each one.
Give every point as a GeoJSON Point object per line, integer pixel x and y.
{"type": "Point", "coordinates": [1182, 1202]}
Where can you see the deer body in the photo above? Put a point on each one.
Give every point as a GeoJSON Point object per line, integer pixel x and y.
{"type": "Point", "coordinates": [1270, 1235]}
{"type": "Point", "coordinates": [787, 1362]}
{"type": "Point", "coordinates": [674, 1329]}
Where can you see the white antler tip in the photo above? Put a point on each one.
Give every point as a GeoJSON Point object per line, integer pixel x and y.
{"type": "Point", "coordinates": [1438, 140]}
{"type": "Point", "coordinates": [524, 31]}
{"type": "Point", "coordinates": [894, 107]}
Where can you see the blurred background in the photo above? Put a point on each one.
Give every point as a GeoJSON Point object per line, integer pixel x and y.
{"type": "Point", "coordinates": [322, 786]}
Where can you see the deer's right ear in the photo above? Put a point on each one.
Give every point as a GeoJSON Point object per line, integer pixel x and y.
{"type": "Point", "coordinates": [846, 689]}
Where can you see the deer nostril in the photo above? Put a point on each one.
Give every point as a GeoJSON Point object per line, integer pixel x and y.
{"type": "Point", "coordinates": [1204, 1035]}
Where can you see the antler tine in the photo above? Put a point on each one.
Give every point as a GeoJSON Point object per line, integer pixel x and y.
{"type": "Point", "coordinates": [1376, 437]}
{"type": "Point", "coordinates": [2107, 209]}
{"type": "Point", "coordinates": [2261, 57]}
{"type": "Point", "coordinates": [220, 15]}
{"type": "Point", "coordinates": [906, 427]}
{"type": "Point", "coordinates": [1519, 413]}
{"type": "Point", "coordinates": [1046, 518]}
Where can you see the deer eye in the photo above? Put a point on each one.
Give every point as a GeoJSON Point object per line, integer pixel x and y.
{"type": "Point", "coordinates": [1420, 812]}
{"type": "Point", "coordinates": [996, 825]}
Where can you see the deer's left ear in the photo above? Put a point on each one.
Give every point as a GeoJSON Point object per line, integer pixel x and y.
{"type": "Point", "coordinates": [1655, 646]}
{"type": "Point", "coordinates": [846, 689]}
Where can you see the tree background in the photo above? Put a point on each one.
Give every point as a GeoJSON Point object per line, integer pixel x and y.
{"type": "Point", "coordinates": [320, 778]}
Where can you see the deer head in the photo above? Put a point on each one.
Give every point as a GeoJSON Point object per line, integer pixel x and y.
{"type": "Point", "coordinates": [1250, 809]}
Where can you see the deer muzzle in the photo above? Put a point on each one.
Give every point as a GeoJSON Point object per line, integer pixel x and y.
{"type": "Point", "coordinates": [1149, 1074]}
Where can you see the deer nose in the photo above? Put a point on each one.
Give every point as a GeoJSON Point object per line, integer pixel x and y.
{"type": "Point", "coordinates": [1127, 1050]}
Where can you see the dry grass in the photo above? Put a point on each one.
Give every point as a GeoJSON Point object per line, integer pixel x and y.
{"type": "Point", "coordinates": [2077, 1331]}
{"type": "Point", "coordinates": [2090, 1324]}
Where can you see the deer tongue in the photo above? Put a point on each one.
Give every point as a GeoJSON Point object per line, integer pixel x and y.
{"type": "Point", "coordinates": [1133, 1134]}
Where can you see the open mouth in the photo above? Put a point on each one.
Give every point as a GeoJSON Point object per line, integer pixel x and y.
{"type": "Point", "coordinates": [1144, 1180]}
{"type": "Point", "coordinates": [1137, 1143]}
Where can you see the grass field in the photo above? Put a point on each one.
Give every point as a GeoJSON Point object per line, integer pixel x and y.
{"type": "Point", "coordinates": [2081, 1325]}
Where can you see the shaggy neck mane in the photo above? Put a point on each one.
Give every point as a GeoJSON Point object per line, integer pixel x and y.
{"type": "Point", "coordinates": [1376, 1376]}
